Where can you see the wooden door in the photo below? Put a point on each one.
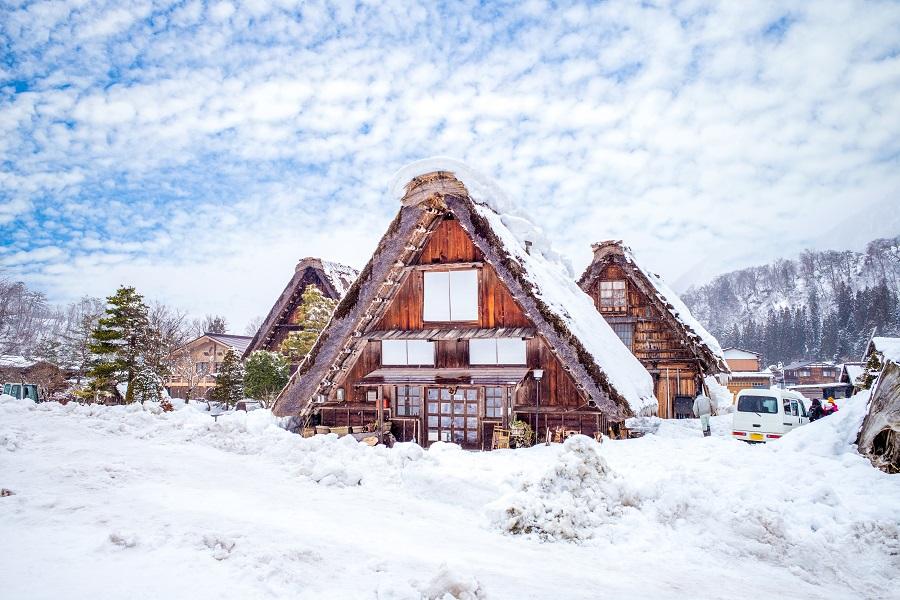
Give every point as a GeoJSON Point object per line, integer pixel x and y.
{"type": "Point", "coordinates": [452, 416]}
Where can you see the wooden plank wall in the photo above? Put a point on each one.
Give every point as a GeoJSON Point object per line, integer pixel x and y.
{"type": "Point", "coordinates": [450, 244]}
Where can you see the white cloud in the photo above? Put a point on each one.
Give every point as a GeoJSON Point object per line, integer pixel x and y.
{"type": "Point", "coordinates": [199, 154]}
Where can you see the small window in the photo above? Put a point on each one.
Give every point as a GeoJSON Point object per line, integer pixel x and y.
{"type": "Point", "coordinates": [493, 402]}
{"type": "Point", "coordinates": [202, 368]}
{"type": "Point", "coordinates": [795, 411]}
{"type": "Point", "coordinates": [497, 351]}
{"type": "Point", "coordinates": [625, 331]}
{"type": "Point", "coordinates": [407, 352]}
{"type": "Point", "coordinates": [408, 400]}
{"type": "Point", "coordinates": [612, 296]}
{"type": "Point", "coordinates": [451, 295]}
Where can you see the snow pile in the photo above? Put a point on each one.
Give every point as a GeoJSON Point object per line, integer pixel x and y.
{"type": "Point", "coordinates": [450, 585]}
{"type": "Point", "coordinates": [119, 499]}
{"type": "Point", "coordinates": [834, 435]}
{"type": "Point", "coordinates": [551, 276]}
{"type": "Point", "coordinates": [577, 495]}
{"type": "Point", "coordinates": [721, 396]}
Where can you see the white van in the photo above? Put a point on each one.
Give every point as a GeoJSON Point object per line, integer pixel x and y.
{"type": "Point", "coordinates": [763, 415]}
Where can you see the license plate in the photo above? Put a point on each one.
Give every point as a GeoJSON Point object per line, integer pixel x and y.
{"type": "Point", "coordinates": [756, 437]}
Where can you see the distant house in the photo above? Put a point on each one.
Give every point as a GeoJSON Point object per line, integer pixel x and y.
{"type": "Point", "coordinates": [457, 326]}
{"type": "Point", "coordinates": [333, 279]}
{"type": "Point", "coordinates": [653, 322]}
{"type": "Point", "coordinates": [746, 370]}
{"type": "Point", "coordinates": [197, 362]}
{"type": "Point", "coordinates": [808, 373]}
{"type": "Point", "coordinates": [17, 369]}
{"type": "Point", "coordinates": [851, 374]}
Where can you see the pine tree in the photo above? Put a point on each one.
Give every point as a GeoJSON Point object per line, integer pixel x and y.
{"type": "Point", "coordinates": [229, 380]}
{"type": "Point", "coordinates": [313, 315]}
{"type": "Point", "coordinates": [264, 375]}
{"type": "Point", "coordinates": [118, 342]}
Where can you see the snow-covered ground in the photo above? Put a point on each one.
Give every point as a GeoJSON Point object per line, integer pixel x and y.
{"type": "Point", "coordinates": [131, 503]}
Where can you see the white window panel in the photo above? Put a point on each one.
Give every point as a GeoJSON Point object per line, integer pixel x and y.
{"type": "Point", "coordinates": [511, 351]}
{"type": "Point", "coordinates": [464, 295]}
{"type": "Point", "coordinates": [482, 352]}
{"type": "Point", "coordinates": [437, 296]}
{"type": "Point", "coordinates": [420, 352]}
{"type": "Point", "coordinates": [393, 352]}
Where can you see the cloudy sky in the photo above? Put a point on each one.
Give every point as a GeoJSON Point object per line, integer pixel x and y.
{"type": "Point", "coordinates": [197, 150]}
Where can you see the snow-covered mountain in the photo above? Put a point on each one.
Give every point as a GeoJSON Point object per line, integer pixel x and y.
{"type": "Point", "coordinates": [815, 277]}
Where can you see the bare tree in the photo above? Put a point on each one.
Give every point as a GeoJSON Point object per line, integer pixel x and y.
{"type": "Point", "coordinates": [169, 331]}
{"type": "Point", "coordinates": [79, 320]}
{"type": "Point", "coordinates": [22, 312]}
{"type": "Point", "coordinates": [184, 369]}
{"type": "Point", "coordinates": [253, 326]}
{"type": "Point", "coordinates": [210, 324]}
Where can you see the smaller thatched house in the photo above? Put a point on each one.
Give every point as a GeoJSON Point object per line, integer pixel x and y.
{"type": "Point", "coordinates": [333, 279]}
{"type": "Point", "coordinates": [653, 322]}
{"type": "Point", "coordinates": [463, 321]}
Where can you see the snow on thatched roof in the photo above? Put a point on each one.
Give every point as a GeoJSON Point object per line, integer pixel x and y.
{"type": "Point", "coordinates": [888, 347]}
{"type": "Point", "coordinates": [668, 302]}
{"type": "Point", "coordinates": [539, 280]}
{"type": "Point", "coordinates": [334, 277]}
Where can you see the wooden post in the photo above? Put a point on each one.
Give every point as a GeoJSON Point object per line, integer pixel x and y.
{"type": "Point", "coordinates": [379, 415]}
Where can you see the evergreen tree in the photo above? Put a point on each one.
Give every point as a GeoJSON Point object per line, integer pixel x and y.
{"type": "Point", "coordinates": [147, 385]}
{"type": "Point", "coordinates": [229, 380]}
{"type": "Point", "coordinates": [313, 315]}
{"type": "Point", "coordinates": [265, 374]}
{"type": "Point", "coordinates": [118, 342]}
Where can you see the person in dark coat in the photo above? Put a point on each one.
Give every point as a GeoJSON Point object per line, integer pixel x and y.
{"type": "Point", "coordinates": [815, 410]}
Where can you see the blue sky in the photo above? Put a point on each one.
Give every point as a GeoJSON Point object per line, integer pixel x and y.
{"type": "Point", "coordinates": [198, 150]}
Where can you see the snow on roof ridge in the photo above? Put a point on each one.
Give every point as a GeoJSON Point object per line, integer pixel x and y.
{"type": "Point", "coordinates": [550, 273]}
{"type": "Point", "coordinates": [678, 308]}
{"type": "Point", "coordinates": [888, 346]}
{"type": "Point", "coordinates": [483, 191]}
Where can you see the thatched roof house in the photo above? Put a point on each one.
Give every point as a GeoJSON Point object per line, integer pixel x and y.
{"type": "Point", "coordinates": [333, 279]}
{"type": "Point", "coordinates": [551, 357]}
{"type": "Point", "coordinates": [655, 325]}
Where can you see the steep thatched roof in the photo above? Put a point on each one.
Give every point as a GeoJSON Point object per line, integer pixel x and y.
{"type": "Point", "coordinates": [334, 279]}
{"type": "Point", "coordinates": [702, 344]}
{"type": "Point", "coordinates": [601, 366]}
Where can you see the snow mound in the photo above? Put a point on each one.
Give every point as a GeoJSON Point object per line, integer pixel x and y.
{"type": "Point", "coordinates": [833, 435]}
{"type": "Point", "coordinates": [576, 495]}
{"type": "Point", "coordinates": [450, 585]}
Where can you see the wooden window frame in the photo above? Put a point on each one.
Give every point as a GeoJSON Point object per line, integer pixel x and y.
{"type": "Point", "coordinates": [450, 268]}
{"type": "Point", "coordinates": [605, 302]}
{"type": "Point", "coordinates": [402, 409]}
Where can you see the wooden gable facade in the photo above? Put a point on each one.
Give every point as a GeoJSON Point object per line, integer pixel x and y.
{"type": "Point", "coordinates": [630, 303]}
{"type": "Point", "coordinates": [332, 279]}
{"type": "Point", "coordinates": [497, 359]}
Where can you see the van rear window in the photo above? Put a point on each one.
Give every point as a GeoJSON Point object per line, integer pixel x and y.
{"type": "Point", "coordinates": [758, 404]}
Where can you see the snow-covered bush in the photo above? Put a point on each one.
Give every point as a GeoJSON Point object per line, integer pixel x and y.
{"type": "Point", "coordinates": [576, 495]}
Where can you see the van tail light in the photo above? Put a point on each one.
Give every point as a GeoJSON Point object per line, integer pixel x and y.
{"type": "Point", "coordinates": [773, 436]}
{"type": "Point", "coordinates": [738, 433]}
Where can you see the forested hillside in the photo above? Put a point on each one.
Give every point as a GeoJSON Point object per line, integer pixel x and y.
{"type": "Point", "coordinates": [823, 304]}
